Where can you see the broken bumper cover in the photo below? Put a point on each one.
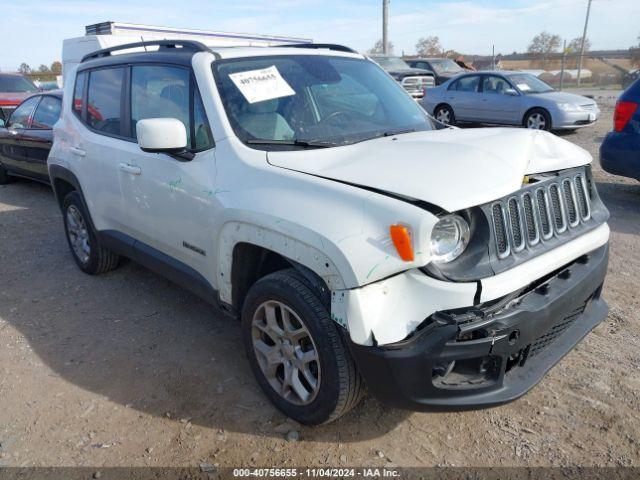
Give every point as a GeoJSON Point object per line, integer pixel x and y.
{"type": "Point", "coordinates": [494, 358]}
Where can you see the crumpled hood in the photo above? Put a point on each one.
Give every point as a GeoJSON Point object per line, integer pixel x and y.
{"type": "Point", "coordinates": [451, 168]}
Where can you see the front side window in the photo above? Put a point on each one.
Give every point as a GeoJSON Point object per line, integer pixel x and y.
{"type": "Point", "coordinates": [322, 100]}
{"type": "Point", "coordinates": [47, 113]}
{"type": "Point", "coordinates": [495, 85]}
{"type": "Point", "coordinates": [467, 84]}
{"type": "Point", "coordinates": [159, 92]}
{"type": "Point", "coordinates": [103, 100]}
{"type": "Point", "coordinates": [20, 117]}
{"type": "Point", "coordinates": [16, 84]}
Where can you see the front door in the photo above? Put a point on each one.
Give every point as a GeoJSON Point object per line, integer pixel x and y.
{"type": "Point", "coordinates": [170, 202]}
{"type": "Point", "coordinates": [500, 102]}
{"type": "Point", "coordinates": [463, 97]}
{"type": "Point", "coordinates": [12, 151]}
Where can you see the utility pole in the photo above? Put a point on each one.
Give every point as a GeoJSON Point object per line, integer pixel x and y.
{"type": "Point", "coordinates": [385, 24]}
{"type": "Point", "coordinates": [564, 56]}
{"type": "Point", "coordinates": [584, 37]}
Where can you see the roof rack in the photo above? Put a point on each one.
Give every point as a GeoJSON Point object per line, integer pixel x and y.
{"type": "Point", "coordinates": [189, 45]}
{"type": "Point", "coordinates": [327, 46]}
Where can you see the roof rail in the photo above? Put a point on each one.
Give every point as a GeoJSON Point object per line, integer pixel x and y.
{"type": "Point", "coordinates": [189, 45]}
{"type": "Point", "coordinates": [328, 46]}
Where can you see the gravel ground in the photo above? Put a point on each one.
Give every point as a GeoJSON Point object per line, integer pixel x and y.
{"type": "Point", "coordinates": [126, 369]}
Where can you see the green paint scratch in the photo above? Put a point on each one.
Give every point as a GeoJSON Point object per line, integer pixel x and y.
{"type": "Point", "coordinates": [173, 185]}
{"type": "Point", "coordinates": [211, 193]}
{"type": "Point", "coordinates": [373, 269]}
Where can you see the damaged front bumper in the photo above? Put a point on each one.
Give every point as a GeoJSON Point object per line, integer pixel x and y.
{"type": "Point", "coordinates": [480, 358]}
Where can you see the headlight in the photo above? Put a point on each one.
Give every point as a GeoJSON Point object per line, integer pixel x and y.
{"type": "Point", "coordinates": [569, 107]}
{"type": "Point", "coordinates": [449, 238]}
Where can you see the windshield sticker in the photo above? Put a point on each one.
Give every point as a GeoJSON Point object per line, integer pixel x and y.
{"type": "Point", "coordinates": [260, 85]}
{"type": "Point", "coordinates": [524, 87]}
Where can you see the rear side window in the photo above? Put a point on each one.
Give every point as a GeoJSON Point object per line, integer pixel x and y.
{"type": "Point", "coordinates": [466, 84]}
{"type": "Point", "coordinates": [104, 100]}
{"type": "Point", "coordinates": [78, 93]}
{"type": "Point", "coordinates": [47, 113]}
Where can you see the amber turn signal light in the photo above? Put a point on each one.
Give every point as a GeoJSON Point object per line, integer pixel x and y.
{"type": "Point", "coordinates": [402, 241]}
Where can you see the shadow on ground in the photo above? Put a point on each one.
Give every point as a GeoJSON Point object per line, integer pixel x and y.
{"type": "Point", "coordinates": [135, 338]}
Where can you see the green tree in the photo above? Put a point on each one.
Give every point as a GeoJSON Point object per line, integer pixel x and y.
{"type": "Point", "coordinates": [43, 69]}
{"type": "Point", "coordinates": [24, 68]}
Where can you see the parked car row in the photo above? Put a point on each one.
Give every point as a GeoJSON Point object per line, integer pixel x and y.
{"type": "Point", "coordinates": [414, 80]}
{"type": "Point", "coordinates": [508, 98]}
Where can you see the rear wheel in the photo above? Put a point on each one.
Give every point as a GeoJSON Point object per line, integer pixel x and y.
{"type": "Point", "coordinates": [89, 255]}
{"type": "Point", "coordinates": [537, 119]}
{"type": "Point", "coordinates": [444, 114]}
{"type": "Point", "coordinates": [297, 353]}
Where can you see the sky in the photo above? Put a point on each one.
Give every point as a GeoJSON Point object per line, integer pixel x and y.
{"type": "Point", "coordinates": [33, 31]}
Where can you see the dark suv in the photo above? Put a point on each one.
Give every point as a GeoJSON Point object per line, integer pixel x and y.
{"type": "Point", "coordinates": [413, 80]}
{"type": "Point", "coordinates": [14, 88]}
{"type": "Point", "coordinates": [443, 68]}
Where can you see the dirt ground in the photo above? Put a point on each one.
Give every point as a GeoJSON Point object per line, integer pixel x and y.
{"type": "Point", "coordinates": [126, 369]}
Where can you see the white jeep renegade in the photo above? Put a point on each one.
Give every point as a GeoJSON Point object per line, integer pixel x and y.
{"type": "Point", "coordinates": [304, 191]}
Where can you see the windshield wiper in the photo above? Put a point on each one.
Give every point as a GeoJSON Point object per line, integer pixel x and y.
{"type": "Point", "coordinates": [295, 142]}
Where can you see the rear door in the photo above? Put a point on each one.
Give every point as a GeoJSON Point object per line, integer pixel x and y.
{"type": "Point", "coordinates": [12, 151]}
{"type": "Point", "coordinates": [463, 96]}
{"type": "Point", "coordinates": [37, 139]}
{"type": "Point", "coordinates": [497, 105]}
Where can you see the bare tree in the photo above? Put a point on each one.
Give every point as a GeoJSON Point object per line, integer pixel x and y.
{"type": "Point", "coordinates": [24, 68]}
{"type": "Point", "coordinates": [428, 46]}
{"type": "Point", "coordinates": [634, 53]}
{"type": "Point", "coordinates": [43, 69]}
{"type": "Point", "coordinates": [378, 49]}
{"type": "Point", "coordinates": [574, 48]}
{"type": "Point", "coordinates": [544, 44]}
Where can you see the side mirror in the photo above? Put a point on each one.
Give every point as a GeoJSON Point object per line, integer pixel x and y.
{"type": "Point", "coordinates": [511, 91]}
{"type": "Point", "coordinates": [163, 135]}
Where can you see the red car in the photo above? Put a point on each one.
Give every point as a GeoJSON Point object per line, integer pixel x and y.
{"type": "Point", "coordinates": [14, 88]}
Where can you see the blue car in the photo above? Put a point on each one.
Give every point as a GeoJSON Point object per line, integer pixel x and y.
{"type": "Point", "coordinates": [508, 98]}
{"type": "Point", "coordinates": [620, 151]}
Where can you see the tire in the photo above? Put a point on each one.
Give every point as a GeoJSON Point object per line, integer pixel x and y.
{"type": "Point", "coordinates": [4, 176]}
{"type": "Point", "coordinates": [296, 304]}
{"type": "Point", "coordinates": [89, 255]}
{"type": "Point", "coordinates": [537, 119]}
{"type": "Point", "coordinates": [444, 114]}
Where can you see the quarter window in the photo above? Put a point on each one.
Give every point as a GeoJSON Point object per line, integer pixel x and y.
{"type": "Point", "coordinates": [78, 93]}
{"type": "Point", "coordinates": [47, 113]}
{"type": "Point", "coordinates": [21, 115]}
{"type": "Point", "coordinates": [103, 100]}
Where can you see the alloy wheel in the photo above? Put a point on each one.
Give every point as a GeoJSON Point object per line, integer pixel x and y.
{"type": "Point", "coordinates": [536, 121]}
{"type": "Point", "coordinates": [78, 234]}
{"type": "Point", "coordinates": [286, 352]}
{"type": "Point", "coordinates": [443, 116]}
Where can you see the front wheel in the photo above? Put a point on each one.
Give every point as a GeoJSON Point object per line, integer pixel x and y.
{"type": "Point", "coordinates": [444, 114]}
{"type": "Point", "coordinates": [537, 119]}
{"type": "Point", "coordinates": [297, 353]}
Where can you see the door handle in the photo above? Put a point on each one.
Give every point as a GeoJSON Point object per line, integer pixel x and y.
{"type": "Point", "coordinates": [128, 168]}
{"type": "Point", "coordinates": [78, 151]}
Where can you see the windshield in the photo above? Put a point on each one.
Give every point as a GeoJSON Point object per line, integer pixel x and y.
{"type": "Point", "coordinates": [446, 65]}
{"type": "Point", "coordinates": [303, 101]}
{"type": "Point", "coordinates": [528, 84]}
{"type": "Point", "coordinates": [391, 63]}
{"type": "Point", "coordinates": [16, 84]}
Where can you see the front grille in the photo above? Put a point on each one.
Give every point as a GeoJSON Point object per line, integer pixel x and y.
{"type": "Point", "coordinates": [539, 213]}
{"type": "Point", "coordinates": [547, 338]}
{"type": "Point", "coordinates": [416, 85]}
